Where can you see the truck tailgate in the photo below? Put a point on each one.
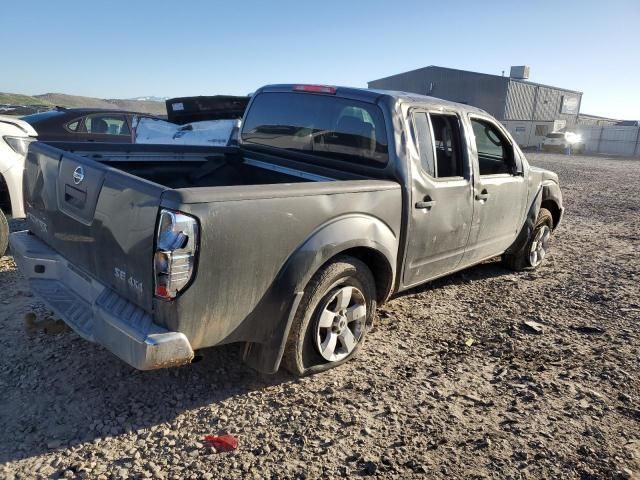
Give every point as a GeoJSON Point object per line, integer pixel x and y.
{"type": "Point", "coordinates": [102, 220]}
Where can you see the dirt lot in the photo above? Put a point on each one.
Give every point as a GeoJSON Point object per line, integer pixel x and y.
{"type": "Point", "coordinates": [417, 402]}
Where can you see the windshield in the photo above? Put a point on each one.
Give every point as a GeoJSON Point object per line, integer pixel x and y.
{"type": "Point", "coordinates": [320, 125]}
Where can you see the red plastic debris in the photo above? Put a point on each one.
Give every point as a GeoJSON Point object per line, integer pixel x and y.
{"type": "Point", "coordinates": [222, 443]}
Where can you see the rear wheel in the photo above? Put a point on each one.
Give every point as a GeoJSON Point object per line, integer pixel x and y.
{"type": "Point", "coordinates": [333, 317]}
{"type": "Point", "coordinates": [535, 250]}
{"type": "Point", "coordinates": [4, 234]}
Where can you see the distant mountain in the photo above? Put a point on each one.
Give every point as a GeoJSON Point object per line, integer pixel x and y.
{"type": "Point", "coordinates": [17, 104]}
{"type": "Point", "coordinates": [150, 99]}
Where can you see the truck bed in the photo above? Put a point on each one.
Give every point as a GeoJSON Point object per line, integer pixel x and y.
{"type": "Point", "coordinates": [94, 210]}
{"type": "Point", "coordinates": [178, 167]}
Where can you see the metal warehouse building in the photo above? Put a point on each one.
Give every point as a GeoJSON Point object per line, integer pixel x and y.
{"type": "Point", "coordinates": [528, 110]}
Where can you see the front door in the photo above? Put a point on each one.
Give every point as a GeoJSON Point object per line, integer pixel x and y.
{"type": "Point", "coordinates": [441, 209]}
{"type": "Point", "coordinates": [500, 192]}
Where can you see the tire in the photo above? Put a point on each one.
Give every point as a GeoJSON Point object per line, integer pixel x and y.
{"type": "Point", "coordinates": [524, 259]}
{"type": "Point", "coordinates": [4, 234]}
{"type": "Point", "coordinates": [333, 303]}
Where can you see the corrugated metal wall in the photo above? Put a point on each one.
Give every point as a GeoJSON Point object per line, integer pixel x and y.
{"type": "Point", "coordinates": [520, 100]}
{"type": "Point", "coordinates": [527, 101]}
{"type": "Point", "coordinates": [503, 97]}
{"type": "Point", "coordinates": [414, 81]}
{"type": "Point", "coordinates": [479, 90]}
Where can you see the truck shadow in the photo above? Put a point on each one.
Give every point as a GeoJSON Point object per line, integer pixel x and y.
{"type": "Point", "coordinates": [61, 391]}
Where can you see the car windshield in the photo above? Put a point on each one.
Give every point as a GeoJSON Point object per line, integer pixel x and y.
{"type": "Point", "coordinates": [319, 125]}
{"type": "Point", "coordinates": [37, 117]}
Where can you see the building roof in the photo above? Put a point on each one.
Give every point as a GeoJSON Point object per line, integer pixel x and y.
{"type": "Point", "coordinates": [597, 117]}
{"type": "Point", "coordinates": [505, 78]}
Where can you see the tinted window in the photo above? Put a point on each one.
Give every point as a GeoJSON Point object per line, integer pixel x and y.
{"type": "Point", "coordinates": [447, 144]}
{"type": "Point", "coordinates": [106, 124]}
{"type": "Point", "coordinates": [320, 125]}
{"type": "Point", "coordinates": [73, 126]}
{"type": "Point", "coordinates": [495, 154]}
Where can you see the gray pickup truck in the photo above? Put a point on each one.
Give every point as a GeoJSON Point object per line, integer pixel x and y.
{"type": "Point", "coordinates": [334, 200]}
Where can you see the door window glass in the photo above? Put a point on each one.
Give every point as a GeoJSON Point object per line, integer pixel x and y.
{"type": "Point", "coordinates": [442, 156]}
{"type": "Point", "coordinates": [73, 126]}
{"type": "Point", "coordinates": [107, 124]}
{"type": "Point", "coordinates": [423, 139]}
{"type": "Point", "coordinates": [495, 154]}
{"type": "Point", "coordinates": [447, 144]}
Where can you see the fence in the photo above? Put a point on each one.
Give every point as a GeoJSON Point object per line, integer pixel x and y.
{"type": "Point", "coordinates": [611, 140]}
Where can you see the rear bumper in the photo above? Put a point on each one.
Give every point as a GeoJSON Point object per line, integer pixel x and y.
{"type": "Point", "coordinates": [94, 311]}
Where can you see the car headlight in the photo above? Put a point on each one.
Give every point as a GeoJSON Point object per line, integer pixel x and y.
{"type": "Point", "coordinates": [19, 145]}
{"type": "Point", "coordinates": [572, 137]}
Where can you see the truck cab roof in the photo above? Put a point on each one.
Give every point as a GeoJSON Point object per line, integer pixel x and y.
{"type": "Point", "coordinates": [374, 95]}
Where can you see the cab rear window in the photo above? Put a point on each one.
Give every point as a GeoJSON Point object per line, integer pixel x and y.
{"type": "Point", "coordinates": [320, 125]}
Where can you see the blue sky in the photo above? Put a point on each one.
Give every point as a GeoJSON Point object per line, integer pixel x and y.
{"type": "Point", "coordinates": [119, 49]}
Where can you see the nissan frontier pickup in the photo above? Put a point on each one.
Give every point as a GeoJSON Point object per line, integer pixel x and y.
{"type": "Point", "coordinates": [333, 200]}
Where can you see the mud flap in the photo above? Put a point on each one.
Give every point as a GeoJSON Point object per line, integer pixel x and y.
{"type": "Point", "coordinates": [528, 227]}
{"type": "Point", "coordinates": [266, 357]}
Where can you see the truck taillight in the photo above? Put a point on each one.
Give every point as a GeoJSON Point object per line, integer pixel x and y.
{"type": "Point", "coordinates": [175, 253]}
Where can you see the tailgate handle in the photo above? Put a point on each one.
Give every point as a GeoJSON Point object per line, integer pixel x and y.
{"type": "Point", "coordinates": [74, 196]}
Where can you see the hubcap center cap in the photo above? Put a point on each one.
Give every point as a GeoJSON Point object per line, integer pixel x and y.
{"type": "Point", "coordinates": [339, 323]}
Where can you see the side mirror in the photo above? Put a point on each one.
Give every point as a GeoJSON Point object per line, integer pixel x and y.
{"type": "Point", "coordinates": [518, 169]}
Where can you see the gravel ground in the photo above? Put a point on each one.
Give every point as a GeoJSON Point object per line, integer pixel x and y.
{"type": "Point", "coordinates": [450, 384]}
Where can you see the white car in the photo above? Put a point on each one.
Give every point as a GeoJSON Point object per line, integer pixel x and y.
{"type": "Point", "coordinates": [15, 136]}
{"type": "Point", "coordinates": [561, 141]}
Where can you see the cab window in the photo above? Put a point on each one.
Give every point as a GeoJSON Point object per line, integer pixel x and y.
{"type": "Point", "coordinates": [73, 126]}
{"type": "Point", "coordinates": [440, 152]}
{"type": "Point", "coordinates": [321, 126]}
{"type": "Point", "coordinates": [106, 124]}
{"type": "Point", "coordinates": [495, 153]}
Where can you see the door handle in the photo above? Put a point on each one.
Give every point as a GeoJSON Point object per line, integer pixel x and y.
{"type": "Point", "coordinates": [483, 195]}
{"type": "Point", "coordinates": [426, 203]}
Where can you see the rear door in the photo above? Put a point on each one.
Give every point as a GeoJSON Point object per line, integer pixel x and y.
{"type": "Point", "coordinates": [100, 219]}
{"type": "Point", "coordinates": [500, 190]}
{"type": "Point", "coordinates": [442, 205]}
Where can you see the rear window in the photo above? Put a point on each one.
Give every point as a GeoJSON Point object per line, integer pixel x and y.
{"type": "Point", "coordinates": [320, 125]}
{"type": "Point", "coordinates": [37, 117]}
